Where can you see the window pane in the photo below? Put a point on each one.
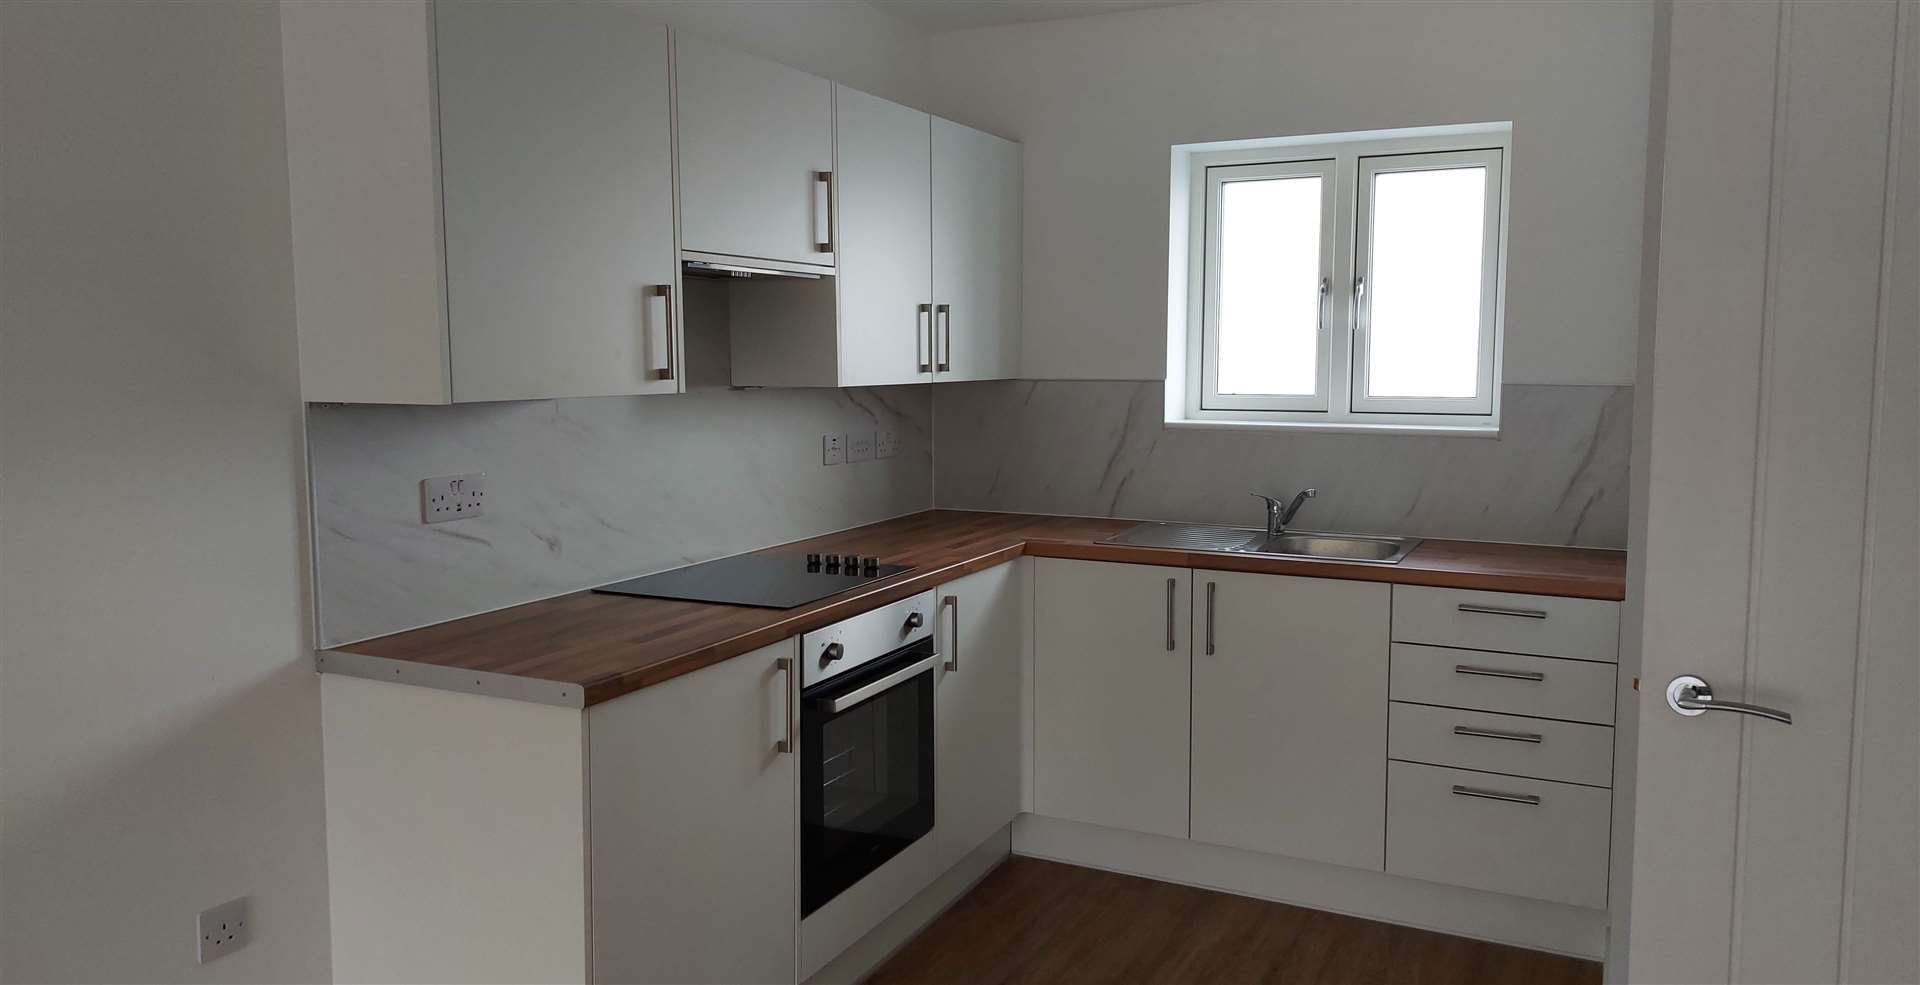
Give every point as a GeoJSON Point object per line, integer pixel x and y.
{"type": "Point", "coordinates": [1269, 321]}
{"type": "Point", "coordinates": [1424, 286]}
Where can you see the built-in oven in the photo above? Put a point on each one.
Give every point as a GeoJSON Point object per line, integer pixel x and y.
{"type": "Point", "coordinates": [866, 745]}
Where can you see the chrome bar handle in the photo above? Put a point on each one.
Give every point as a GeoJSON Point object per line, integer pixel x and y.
{"type": "Point", "coordinates": [1210, 587]}
{"type": "Point", "coordinates": [824, 244]}
{"type": "Point", "coordinates": [1494, 733]}
{"type": "Point", "coordinates": [1512, 675]}
{"type": "Point", "coordinates": [923, 337]}
{"type": "Point", "coordinates": [1495, 610]}
{"type": "Point", "coordinates": [1326, 295]}
{"type": "Point", "coordinates": [1690, 696]}
{"type": "Point", "coordinates": [943, 313]}
{"type": "Point", "coordinates": [1531, 800]}
{"type": "Point", "coordinates": [665, 293]}
{"type": "Point", "coordinates": [953, 636]}
{"type": "Point", "coordinates": [1170, 586]}
{"type": "Point", "coordinates": [785, 666]}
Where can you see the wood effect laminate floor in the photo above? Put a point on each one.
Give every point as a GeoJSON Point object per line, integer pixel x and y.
{"type": "Point", "coordinates": [1033, 921]}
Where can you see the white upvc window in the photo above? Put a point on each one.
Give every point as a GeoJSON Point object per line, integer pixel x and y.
{"type": "Point", "coordinates": [1348, 282]}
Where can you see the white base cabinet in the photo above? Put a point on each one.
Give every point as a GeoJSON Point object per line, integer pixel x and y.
{"type": "Point", "coordinates": [1290, 715]}
{"type": "Point", "coordinates": [977, 707]}
{"type": "Point", "coordinates": [1111, 678]}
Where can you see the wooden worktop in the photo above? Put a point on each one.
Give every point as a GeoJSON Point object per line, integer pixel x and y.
{"type": "Point", "coordinates": [609, 645]}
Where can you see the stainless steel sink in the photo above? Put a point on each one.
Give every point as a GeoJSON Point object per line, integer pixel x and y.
{"type": "Point", "coordinates": [1245, 540]}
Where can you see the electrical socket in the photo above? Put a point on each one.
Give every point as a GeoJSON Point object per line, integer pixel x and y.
{"type": "Point", "coordinates": [860, 446]}
{"type": "Point", "coordinates": [224, 929]}
{"type": "Point", "coordinates": [833, 449]}
{"type": "Point", "coordinates": [886, 443]}
{"type": "Point", "coordinates": [452, 497]}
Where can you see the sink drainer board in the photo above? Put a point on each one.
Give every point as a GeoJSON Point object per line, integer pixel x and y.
{"type": "Point", "coordinates": [1187, 537]}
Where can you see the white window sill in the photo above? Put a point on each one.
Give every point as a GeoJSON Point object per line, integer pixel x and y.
{"type": "Point", "coordinates": [1426, 430]}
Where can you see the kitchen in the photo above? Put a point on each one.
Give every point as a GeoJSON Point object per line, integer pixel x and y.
{"type": "Point", "coordinates": [772, 492]}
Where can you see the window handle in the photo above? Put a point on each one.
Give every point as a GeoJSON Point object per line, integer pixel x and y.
{"type": "Point", "coordinates": [1326, 291]}
{"type": "Point", "coordinates": [1359, 285]}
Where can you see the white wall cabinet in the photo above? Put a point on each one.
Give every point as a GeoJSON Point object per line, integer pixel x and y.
{"type": "Point", "coordinates": [886, 248]}
{"type": "Point", "coordinates": [976, 253]}
{"type": "Point", "coordinates": [927, 236]}
{"type": "Point", "coordinates": [527, 153]}
{"type": "Point", "coordinates": [694, 818]}
{"type": "Point", "coordinates": [1290, 715]}
{"type": "Point", "coordinates": [755, 138]}
{"type": "Point", "coordinates": [978, 708]}
{"type": "Point", "coordinates": [1111, 683]}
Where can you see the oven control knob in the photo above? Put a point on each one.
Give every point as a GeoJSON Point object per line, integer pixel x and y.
{"type": "Point", "coordinates": [914, 621]}
{"type": "Point", "coordinates": [851, 562]}
{"type": "Point", "coordinates": [834, 651]}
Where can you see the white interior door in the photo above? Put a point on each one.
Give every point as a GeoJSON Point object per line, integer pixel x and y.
{"type": "Point", "coordinates": [885, 226]}
{"type": "Point", "coordinates": [556, 153]}
{"type": "Point", "coordinates": [1779, 503]}
{"type": "Point", "coordinates": [976, 253]}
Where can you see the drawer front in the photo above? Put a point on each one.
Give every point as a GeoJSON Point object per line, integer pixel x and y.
{"type": "Point", "coordinates": [1584, 629]}
{"type": "Point", "coordinates": [1544, 687]}
{"type": "Point", "coordinates": [1479, 740]}
{"type": "Point", "coordinates": [1552, 848]}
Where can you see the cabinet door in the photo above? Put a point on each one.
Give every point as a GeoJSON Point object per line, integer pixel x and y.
{"type": "Point", "coordinates": [694, 822]}
{"type": "Point", "coordinates": [556, 158]}
{"type": "Point", "coordinates": [1290, 715]}
{"type": "Point", "coordinates": [977, 708]}
{"type": "Point", "coordinates": [976, 253]}
{"type": "Point", "coordinates": [886, 266]}
{"type": "Point", "coordinates": [753, 137]}
{"type": "Point", "coordinates": [1111, 687]}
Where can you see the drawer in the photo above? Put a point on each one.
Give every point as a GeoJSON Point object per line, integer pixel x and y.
{"type": "Point", "coordinates": [1480, 740]}
{"type": "Point", "coordinates": [1584, 629]}
{"type": "Point", "coordinates": [1549, 841]}
{"type": "Point", "coordinates": [1576, 690]}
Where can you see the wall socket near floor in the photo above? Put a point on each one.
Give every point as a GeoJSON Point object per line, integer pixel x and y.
{"type": "Point", "coordinates": [886, 443]}
{"type": "Point", "coordinates": [225, 929]}
{"type": "Point", "coordinates": [833, 449]}
{"type": "Point", "coordinates": [452, 497]}
{"type": "Point", "coordinates": [860, 446]}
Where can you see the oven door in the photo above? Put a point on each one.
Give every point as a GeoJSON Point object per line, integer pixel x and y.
{"type": "Point", "coordinates": [866, 770]}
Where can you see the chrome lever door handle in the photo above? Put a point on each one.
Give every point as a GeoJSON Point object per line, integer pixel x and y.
{"type": "Point", "coordinates": [1690, 696]}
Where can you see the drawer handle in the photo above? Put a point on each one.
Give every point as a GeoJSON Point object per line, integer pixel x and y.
{"type": "Point", "coordinates": [1494, 610]}
{"type": "Point", "coordinates": [1512, 675]}
{"type": "Point", "coordinates": [1494, 733]}
{"type": "Point", "coordinates": [1530, 800]}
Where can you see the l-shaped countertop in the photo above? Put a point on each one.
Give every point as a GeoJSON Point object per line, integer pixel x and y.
{"type": "Point", "coordinates": [584, 648]}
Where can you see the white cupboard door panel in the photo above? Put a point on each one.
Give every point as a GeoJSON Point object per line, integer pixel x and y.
{"type": "Point", "coordinates": [557, 163]}
{"type": "Point", "coordinates": [885, 229]}
{"type": "Point", "coordinates": [977, 708]}
{"type": "Point", "coordinates": [364, 194]}
{"type": "Point", "coordinates": [976, 253]}
{"type": "Point", "coordinates": [1290, 715]}
{"type": "Point", "coordinates": [1111, 687]}
{"type": "Point", "coordinates": [1582, 629]}
{"type": "Point", "coordinates": [753, 137]}
{"type": "Point", "coordinates": [694, 827]}
{"type": "Point", "coordinates": [1479, 740]}
{"type": "Point", "coordinates": [1499, 833]}
{"type": "Point", "coordinates": [1544, 687]}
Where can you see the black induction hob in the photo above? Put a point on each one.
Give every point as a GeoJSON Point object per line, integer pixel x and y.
{"type": "Point", "coordinates": [769, 581]}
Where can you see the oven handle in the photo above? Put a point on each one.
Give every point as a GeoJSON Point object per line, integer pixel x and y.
{"type": "Point", "coordinates": [839, 703]}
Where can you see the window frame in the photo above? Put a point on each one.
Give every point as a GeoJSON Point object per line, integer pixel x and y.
{"type": "Point", "coordinates": [1196, 403]}
{"type": "Point", "coordinates": [1217, 178]}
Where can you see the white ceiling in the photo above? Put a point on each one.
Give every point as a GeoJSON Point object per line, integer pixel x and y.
{"type": "Point", "coordinates": [936, 16]}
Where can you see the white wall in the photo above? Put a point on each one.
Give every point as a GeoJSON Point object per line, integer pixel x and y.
{"type": "Point", "coordinates": [849, 41]}
{"type": "Point", "coordinates": [159, 717]}
{"type": "Point", "coordinates": [1099, 100]}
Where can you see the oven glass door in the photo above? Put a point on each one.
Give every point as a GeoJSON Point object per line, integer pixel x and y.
{"type": "Point", "coordinates": [866, 771]}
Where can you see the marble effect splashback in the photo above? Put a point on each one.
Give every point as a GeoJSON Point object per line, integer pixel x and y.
{"type": "Point", "coordinates": [1556, 475]}
{"type": "Point", "coordinates": [582, 492]}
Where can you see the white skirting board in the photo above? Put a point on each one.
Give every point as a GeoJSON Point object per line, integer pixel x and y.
{"type": "Point", "coordinates": [1536, 924]}
{"type": "Point", "coordinates": [869, 952]}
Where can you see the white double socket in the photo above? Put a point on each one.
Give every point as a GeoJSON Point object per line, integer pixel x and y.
{"type": "Point", "coordinates": [452, 497]}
